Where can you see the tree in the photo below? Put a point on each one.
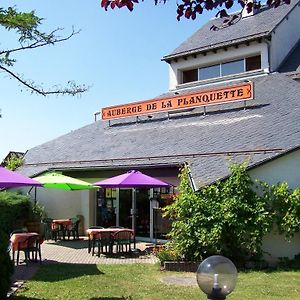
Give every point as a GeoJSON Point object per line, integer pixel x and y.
{"type": "Point", "coordinates": [26, 25]}
{"type": "Point", "coordinates": [13, 161]}
{"type": "Point", "coordinates": [191, 8]}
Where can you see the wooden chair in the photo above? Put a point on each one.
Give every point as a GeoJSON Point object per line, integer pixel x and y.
{"type": "Point", "coordinates": [31, 248]}
{"type": "Point", "coordinates": [123, 239]}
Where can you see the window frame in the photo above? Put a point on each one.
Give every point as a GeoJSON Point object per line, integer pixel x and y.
{"type": "Point", "coordinates": [220, 68]}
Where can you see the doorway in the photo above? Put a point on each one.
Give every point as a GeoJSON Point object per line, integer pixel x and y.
{"type": "Point", "coordinates": [125, 205]}
{"type": "Point", "coordinates": [142, 210]}
{"type": "Point", "coordinates": [143, 213]}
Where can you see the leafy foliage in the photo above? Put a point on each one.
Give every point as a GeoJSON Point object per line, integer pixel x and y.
{"type": "Point", "coordinates": [225, 218]}
{"type": "Point", "coordinates": [13, 162]}
{"type": "Point", "coordinates": [6, 266]}
{"type": "Point", "coordinates": [13, 209]}
{"type": "Point", "coordinates": [26, 25]}
{"type": "Point", "coordinates": [285, 206]}
{"type": "Point", "coordinates": [230, 217]}
{"type": "Point", "coordinates": [189, 9]}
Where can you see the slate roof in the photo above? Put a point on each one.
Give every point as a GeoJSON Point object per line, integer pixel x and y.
{"type": "Point", "coordinates": [272, 120]}
{"type": "Point", "coordinates": [259, 25]}
{"type": "Point", "coordinates": [292, 62]}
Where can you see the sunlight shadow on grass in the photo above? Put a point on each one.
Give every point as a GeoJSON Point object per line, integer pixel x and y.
{"type": "Point", "coordinates": [60, 272]}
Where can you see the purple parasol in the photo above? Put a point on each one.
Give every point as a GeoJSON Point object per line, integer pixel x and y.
{"type": "Point", "coordinates": [131, 179]}
{"type": "Point", "coordinates": [10, 179]}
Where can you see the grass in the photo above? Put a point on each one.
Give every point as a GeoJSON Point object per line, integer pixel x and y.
{"type": "Point", "coordinates": [134, 281]}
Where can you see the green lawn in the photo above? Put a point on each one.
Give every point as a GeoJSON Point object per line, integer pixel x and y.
{"type": "Point", "coordinates": [135, 281]}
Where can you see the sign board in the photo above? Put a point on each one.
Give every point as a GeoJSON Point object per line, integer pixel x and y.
{"type": "Point", "coordinates": [227, 94]}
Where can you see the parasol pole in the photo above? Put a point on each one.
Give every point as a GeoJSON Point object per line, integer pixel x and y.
{"type": "Point", "coordinates": [133, 220]}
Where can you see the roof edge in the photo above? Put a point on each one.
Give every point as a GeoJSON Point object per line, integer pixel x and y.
{"type": "Point", "coordinates": [235, 42]}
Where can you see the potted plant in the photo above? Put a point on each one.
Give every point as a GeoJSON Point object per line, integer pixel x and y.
{"type": "Point", "coordinates": [36, 215]}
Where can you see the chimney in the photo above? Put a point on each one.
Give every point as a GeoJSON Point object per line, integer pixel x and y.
{"type": "Point", "coordinates": [245, 13]}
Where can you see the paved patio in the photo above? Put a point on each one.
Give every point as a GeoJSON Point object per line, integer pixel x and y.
{"type": "Point", "coordinates": [76, 252]}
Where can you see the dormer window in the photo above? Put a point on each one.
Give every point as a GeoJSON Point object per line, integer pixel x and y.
{"type": "Point", "coordinates": [190, 75]}
{"type": "Point", "coordinates": [222, 69]}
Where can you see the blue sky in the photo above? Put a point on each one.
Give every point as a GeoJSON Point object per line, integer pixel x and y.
{"type": "Point", "coordinates": [117, 53]}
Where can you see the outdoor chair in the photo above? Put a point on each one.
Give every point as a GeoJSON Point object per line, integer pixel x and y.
{"type": "Point", "coordinates": [73, 228]}
{"type": "Point", "coordinates": [56, 230]}
{"type": "Point", "coordinates": [47, 230]}
{"type": "Point", "coordinates": [123, 239]}
{"type": "Point", "coordinates": [102, 241]}
{"type": "Point", "coordinates": [31, 248]}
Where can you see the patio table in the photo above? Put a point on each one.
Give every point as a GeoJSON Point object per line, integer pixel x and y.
{"type": "Point", "coordinates": [62, 224]}
{"type": "Point", "coordinates": [93, 231]}
{"type": "Point", "coordinates": [18, 239]}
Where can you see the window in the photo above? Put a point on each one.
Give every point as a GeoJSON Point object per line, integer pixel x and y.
{"type": "Point", "coordinates": [209, 72]}
{"type": "Point", "coordinates": [253, 63]}
{"type": "Point", "coordinates": [226, 68]}
{"type": "Point", "coordinates": [232, 67]}
{"type": "Point", "coordinates": [190, 75]}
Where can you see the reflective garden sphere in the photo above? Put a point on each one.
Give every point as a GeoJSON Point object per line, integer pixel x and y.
{"type": "Point", "coordinates": [216, 277]}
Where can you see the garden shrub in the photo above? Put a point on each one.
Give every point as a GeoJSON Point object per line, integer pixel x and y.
{"type": "Point", "coordinates": [13, 209]}
{"type": "Point", "coordinates": [230, 217]}
{"type": "Point", "coordinates": [227, 218]}
{"type": "Point", "coordinates": [6, 266]}
{"type": "Point", "coordinates": [285, 206]}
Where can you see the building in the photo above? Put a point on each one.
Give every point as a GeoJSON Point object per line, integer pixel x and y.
{"type": "Point", "coordinates": [233, 94]}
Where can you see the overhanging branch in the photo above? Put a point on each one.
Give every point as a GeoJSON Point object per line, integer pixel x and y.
{"type": "Point", "coordinates": [51, 39]}
{"type": "Point", "coordinates": [72, 90]}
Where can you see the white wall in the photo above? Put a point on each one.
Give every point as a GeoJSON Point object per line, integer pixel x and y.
{"type": "Point", "coordinates": [276, 246]}
{"type": "Point", "coordinates": [283, 169]}
{"type": "Point", "coordinates": [284, 38]}
{"type": "Point", "coordinates": [60, 204]}
{"type": "Point", "coordinates": [214, 58]}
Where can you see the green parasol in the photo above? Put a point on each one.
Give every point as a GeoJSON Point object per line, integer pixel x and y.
{"type": "Point", "coordinates": [59, 181]}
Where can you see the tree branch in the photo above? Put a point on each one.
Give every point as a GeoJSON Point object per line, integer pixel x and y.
{"type": "Point", "coordinates": [72, 90]}
{"type": "Point", "coordinates": [42, 42]}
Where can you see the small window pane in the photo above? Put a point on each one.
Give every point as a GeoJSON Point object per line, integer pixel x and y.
{"type": "Point", "coordinates": [233, 67]}
{"type": "Point", "coordinates": [209, 72]}
{"type": "Point", "coordinates": [190, 75]}
{"type": "Point", "coordinates": [253, 63]}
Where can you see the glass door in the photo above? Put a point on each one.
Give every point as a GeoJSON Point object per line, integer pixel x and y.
{"type": "Point", "coordinates": [142, 213]}
{"type": "Point", "coordinates": [125, 205]}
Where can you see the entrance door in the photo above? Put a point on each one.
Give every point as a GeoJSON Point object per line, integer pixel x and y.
{"type": "Point", "coordinates": [142, 210]}
{"type": "Point", "coordinates": [125, 204]}
{"type": "Point", "coordinates": [143, 213]}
